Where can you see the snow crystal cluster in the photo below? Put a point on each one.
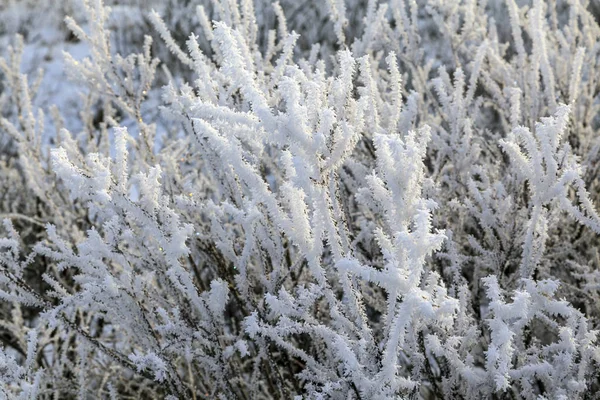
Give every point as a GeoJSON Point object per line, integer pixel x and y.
{"type": "Point", "coordinates": [338, 199]}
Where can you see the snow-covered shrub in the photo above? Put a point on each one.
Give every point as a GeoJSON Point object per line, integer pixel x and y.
{"type": "Point", "coordinates": [362, 200]}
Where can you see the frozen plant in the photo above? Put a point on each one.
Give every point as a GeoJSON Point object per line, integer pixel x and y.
{"type": "Point", "coordinates": [371, 200]}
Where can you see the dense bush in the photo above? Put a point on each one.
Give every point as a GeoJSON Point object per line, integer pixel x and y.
{"type": "Point", "coordinates": [345, 200]}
